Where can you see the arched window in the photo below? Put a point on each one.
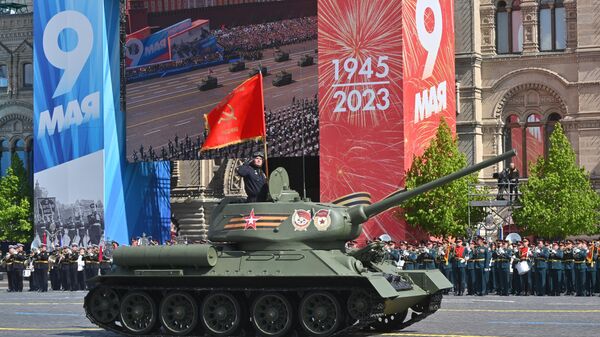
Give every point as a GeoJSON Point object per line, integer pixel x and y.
{"type": "Point", "coordinates": [19, 149]}
{"type": "Point", "coordinates": [509, 27]}
{"type": "Point", "coordinates": [28, 75]}
{"type": "Point", "coordinates": [553, 25]}
{"type": "Point", "coordinates": [4, 156]}
{"type": "Point", "coordinates": [530, 139]}
{"type": "Point", "coordinates": [3, 76]}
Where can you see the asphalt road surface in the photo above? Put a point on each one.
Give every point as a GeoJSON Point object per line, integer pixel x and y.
{"type": "Point", "coordinates": [61, 314]}
{"type": "Point", "coordinates": [158, 109]}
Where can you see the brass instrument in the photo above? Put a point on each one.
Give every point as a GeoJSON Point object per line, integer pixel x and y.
{"type": "Point", "coordinates": [590, 255]}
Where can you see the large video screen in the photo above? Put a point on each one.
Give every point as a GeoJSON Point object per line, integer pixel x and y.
{"type": "Point", "coordinates": [180, 67]}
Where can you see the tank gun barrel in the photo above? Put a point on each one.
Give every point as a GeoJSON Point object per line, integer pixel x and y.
{"type": "Point", "coordinates": [360, 214]}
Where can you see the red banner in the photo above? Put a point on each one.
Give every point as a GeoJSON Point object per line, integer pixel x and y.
{"type": "Point", "coordinates": [372, 65]}
{"type": "Point", "coordinates": [238, 117]}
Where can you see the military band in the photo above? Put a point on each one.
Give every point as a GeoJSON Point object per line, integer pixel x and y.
{"type": "Point", "coordinates": [503, 268]}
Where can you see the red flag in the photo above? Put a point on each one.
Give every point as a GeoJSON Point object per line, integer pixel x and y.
{"type": "Point", "coordinates": [239, 117]}
{"type": "Point", "coordinates": [100, 253]}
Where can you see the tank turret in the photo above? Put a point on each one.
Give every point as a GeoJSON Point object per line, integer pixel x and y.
{"type": "Point", "coordinates": [288, 222]}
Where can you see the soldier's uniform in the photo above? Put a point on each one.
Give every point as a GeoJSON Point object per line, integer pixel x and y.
{"type": "Point", "coordinates": [73, 268]}
{"type": "Point", "coordinates": [579, 255]}
{"type": "Point", "coordinates": [18, 267]}
{"type": "Point", "coordinates": [524, 254]}
{"type": "Point", "coordinates": [410, 259]}
{"type": "Point", "coordinates": [503, 260]}
{"type": "Point", "coordinates": [55, 270]}
{"type": "Point", "coordinates": [41, 270]}
{"type": "Point", "coordinates": [65, 269]}
{"type": "Point", "coordinates": [446, 264]}
{"type": "Point", "coordinates": [427, 258]}
{"type": "Point", "coordinates": [569, 269]}
{"type": "Point", "coordinates": [460, 268]}
{"type": "Point", "coordinates": [590, 262]}
{"type": "Point", "coordinates": [515, 277]}
{"type": "Point", "coordinates": [540, 255]}
{"type": "Point", "coordinates": [479, 257]}
{"type": "Point", "coordinates": [9, 268]}
{"type": "Point", "coordinates": [470, 271]}
{"type": "Point", "coordinates": [105, 264]}
{"type": "Point", "coordinates": [555, 260]}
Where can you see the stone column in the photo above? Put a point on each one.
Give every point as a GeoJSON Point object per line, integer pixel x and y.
{"type": "Point", "coordinates": [529, 10]}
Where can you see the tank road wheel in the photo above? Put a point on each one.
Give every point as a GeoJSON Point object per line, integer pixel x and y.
{"type": "Point", "coordinates": [391, 322]}
{"type": "Point", "coordinates": [138, 313]}
{"type": "Point", "coordinates": [320, 314]}
{"type": "Point", "coordinates": [103, 304]}
{"type": "Point", "coordinates": [221, 314]}
{"type": "Point", "coordinates": [360, 305]}
{"type": "Point", "coordinates": [272, 314]}
{"type": "Point", "coordinates": [179, 313]}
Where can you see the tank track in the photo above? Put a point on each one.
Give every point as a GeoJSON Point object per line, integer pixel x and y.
{"type": "Point", "coordinates": [358, 326]}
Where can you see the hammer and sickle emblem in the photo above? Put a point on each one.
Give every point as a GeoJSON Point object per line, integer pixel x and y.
{"type": "Point", "coordinates": [227, 115]}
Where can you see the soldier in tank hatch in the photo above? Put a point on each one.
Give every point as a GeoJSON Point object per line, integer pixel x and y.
{"type": "Point", "coordinates": [255, 180]}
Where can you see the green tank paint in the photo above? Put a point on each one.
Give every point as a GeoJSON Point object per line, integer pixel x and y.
{"type": "Point", "coordinates": [273, 267]}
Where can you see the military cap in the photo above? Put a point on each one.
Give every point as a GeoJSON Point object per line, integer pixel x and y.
{"type": "Point", "coordinates": [258, 154]}
{"type": "Point", "coordinates": [20, 245]}
{"type": "Point", "coordinates": [11, 246]}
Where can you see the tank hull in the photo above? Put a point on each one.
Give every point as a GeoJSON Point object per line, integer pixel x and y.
{"type": "Point", "coordinates": [362, 295]}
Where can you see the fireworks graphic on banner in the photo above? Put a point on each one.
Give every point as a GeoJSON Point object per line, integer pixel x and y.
{"type": "Point", "coordinates": [353, 35]}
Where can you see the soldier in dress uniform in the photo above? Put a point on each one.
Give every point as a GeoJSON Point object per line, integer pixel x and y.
{"type": "Point", "coordinates": [446, 255]}
{"type": "Point", "coordinates": [105, 262]}
{"type": "Point", "coordinates": [459, 261]}
{"type": "Point", "coordinates": [41, 268]}
{"type": "Point", "coordinates": [540, 255]}
{"type": "Point", "coordinates": [94, 225]}
{"type": "Point", "coordinates": [525, 254]}
{"type": "Point", "coordinates": [470, 268]}
{"type": "Point", "coordinates": [503, 259]}
{"type": "Point", "coordinates": [479, 257]}
{"type": "Point", "coordinates": [73, 257]}
{"type": "Point", "coordinates": [65, 268]}
{"type": "Point", "coordinates": [10, 272]}
{"type": "Point", "coordinates": [569, 269]}
{"type": "Point", "coordinates": [427, 257]}
{"type": "Point", "coordinates": [55, 269]}
{"type": "Point", "coordinates": [579, 255]}
{"type": "Point", "coordinates": [18, 267]}
{"type": "Point", "coordinates": [410, 258]}
{"type": "Point", "coordinates": [490, 270]}
{"type": "Point", "coordinates": [590, 262]}
{"type": "Point", "coordinates": [555, 259]}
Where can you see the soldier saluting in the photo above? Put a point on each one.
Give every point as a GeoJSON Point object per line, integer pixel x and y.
{"type": "Point", "coordinates": [255, 180]}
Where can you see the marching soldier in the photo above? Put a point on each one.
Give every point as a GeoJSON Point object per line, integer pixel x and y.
{"type": "Point", "coordinates": [555, 259]}
{"type": "Point", "coordinates": [18, 267]}
{"type": "Point", "coordinates": [590, 262]}
{"type": "Point", "coordinates": [41, 269]}
{"type": "Point", "coordinates": [460, 258]}
{"type": "Point", "coordinates": [579, 255]}
{"type": "Point", "coordinates": [479, 257]}
{"type": "Point", "coordinates": [541, 254]}
{"type": "Point", "coordinates": [73, 257]}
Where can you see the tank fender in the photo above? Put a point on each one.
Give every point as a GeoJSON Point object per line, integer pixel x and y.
{"type": "Point", "coordinates": [431, 281]}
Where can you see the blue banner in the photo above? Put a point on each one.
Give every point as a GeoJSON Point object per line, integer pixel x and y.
{"type": "Point", "coordinates": [68, 58]}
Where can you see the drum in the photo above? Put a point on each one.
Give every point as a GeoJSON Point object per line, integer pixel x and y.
{"type": "Point", "coordinates": [522, 267]}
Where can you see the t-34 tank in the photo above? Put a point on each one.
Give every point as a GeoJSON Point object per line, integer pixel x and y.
{"type": "Point", "coordinates": [274, 268]}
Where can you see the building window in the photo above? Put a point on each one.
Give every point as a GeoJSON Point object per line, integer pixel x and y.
{"type": "Point", "coordinates": [28, 75]}
{"type": "Point", "coordinates": [4, 157]}
{"type": "Point", "coordinates": [509, 27]}
{"type": "Point", "coordinates": [530, 139]}
{"type": "Point", "coordinates": [3, 76]}
{"type": "Point", "coordinates": [553, 25]}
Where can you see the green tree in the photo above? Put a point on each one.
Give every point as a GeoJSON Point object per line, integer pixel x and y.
{"type": "Point", "coordinates": [19, 170]}
{"type": "Point", "coordinates": [444, 210]}
{"type": "Point", "coordinates": [15, 210]}
{"type": "Point", "coordinates": [558, 199]}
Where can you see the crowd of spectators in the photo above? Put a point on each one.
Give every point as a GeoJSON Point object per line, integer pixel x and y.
{"type": "Point", "coordinates": [244, 39]}
{"type": "Point", "coordinates": [290, 131]}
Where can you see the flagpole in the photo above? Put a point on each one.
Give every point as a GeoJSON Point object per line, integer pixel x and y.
{"type": "Point", "coordinates": [262, 100]}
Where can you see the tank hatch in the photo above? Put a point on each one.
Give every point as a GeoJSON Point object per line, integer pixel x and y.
{"type": "Point", "coordinates": [279, 187]}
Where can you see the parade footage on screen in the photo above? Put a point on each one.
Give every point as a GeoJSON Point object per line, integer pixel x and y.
{"type": "Point", "coordinates": [180, 68]}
